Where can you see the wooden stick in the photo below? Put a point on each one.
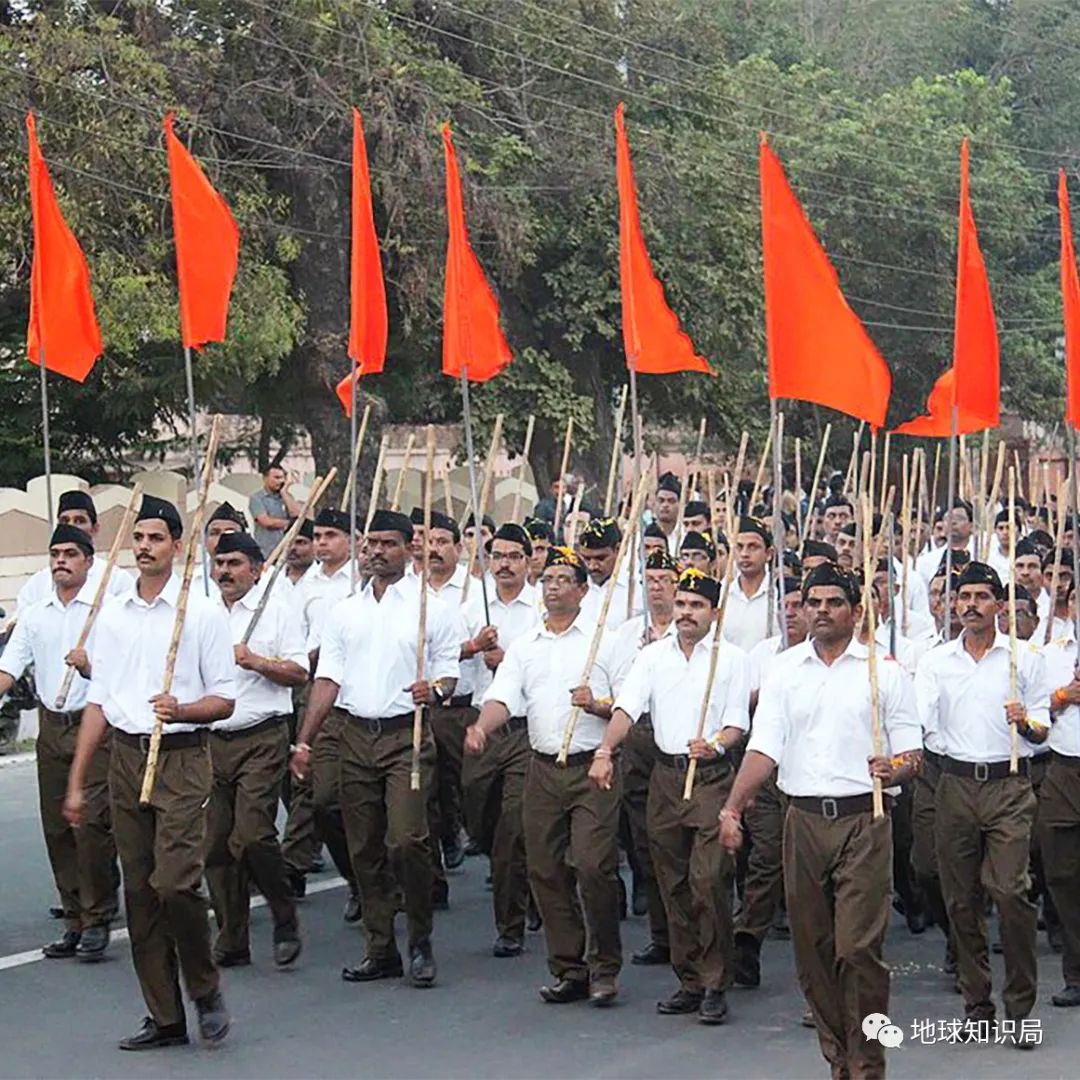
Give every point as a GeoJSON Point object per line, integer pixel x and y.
{"type": "Point", "coordinates": [572, 525]}
{"type": "Point", "coordinates": [609, 592]}
{"type": "Point", "coordinates": [871, 654]}
{"type": "Point", "coordinates": [616, 452]}
{"type": "Point", "coordinates": [1014, 682]}
{"type": "Point", "coordinates": [885, 470]}
{"type": "Point", "coordinates": [1059, 540]}
{"type": "Point", "coordinates": [760, 471]}
{"type": "Point", "coordinates": [710, 479]}
{"type": "Point", "coordinates": [995, 493]}
{"type": "Point", "coordinates": [871, 484]}
{"type": "Point", "coordinates": [421, 633]}
{"type": "Point", "coordinates": [688, 478]}
{"type": "Point", "coordinates": [1019, 476]}
{"type": "Point", "coordinates": [710, 678]}
{"type": "Point", "coordinates": [814, 487]}
{"type": "Point", "coordinates": [399, 487]}
{"type": "Point", "coordinates": [934, 487]}
{"type": "Point", "coordinates": [448, 499]}
{"type": "Point", "coordinates": [99, 595]}
{"type": "Point", "coordinates": [798, 490]}
{"type": "Point", "coordinates": [515, 515]}
{"type": "Point", "coordinates": [851, 479]}
{"type": "Point", "coordinates": [356, 458]}
{"type": "Point", "coordinates": [777, 561]}
{"type": "Point", "coordinates": [905, 529]}
{"type": "Point", "coordinates": [736, 479]}
{"type": "Point", "coordinates": [1046, 495]}
{"type": "Point", "coordinates": [562, 475]}
{"type": "Point", "coordinates": [194, 538]}
{"type": "Point", "coordinates": [921, 506]}
{"type": "Point", "coordinates": [478, 514]}
{"type": "Point", "coordinates": [376, 481]}
{"type": "Point", "coordinates": [275, 562]}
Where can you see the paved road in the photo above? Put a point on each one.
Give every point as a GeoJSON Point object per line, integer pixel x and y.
{"type": "Point", "coordinates": [484, 1019]}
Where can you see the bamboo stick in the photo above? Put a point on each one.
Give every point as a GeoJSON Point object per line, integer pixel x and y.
{"type": "Point", "coordinates": [349, 484]}
{"type": "Point", "coordinates": [885, 470]}
{"type": "Point", "coordinates": [181, 608]}
{"type": "Point", "coordinates": [934, 488]}
{"type": "Point", "coordinates": [478, 513]}
{"type": "Point", "coordinates": [851, 480]}
{"type": "Point", "coordinates": [616, 452]}
{"type": "Point", "coordinates": [565, 464]}
{"type": "Point", "coordinates": [516, 514]}
{"type": "Point", "coordinates": [760, 471]}
{"type": "Point", "coordinates": [871, 484]}
{"type": "Point", "coordinates": [1059, 540]}
{"type": "Point", "coordinates": [798, 491]}
{"type": "Point", "coordinates": [99, 595]}
{"type": "Point", "coordinates": [995, 493]}
{"type": "Point", "coordinates": [399, 487]}
{"type": "Point", "coordinates": [905, 530]}
{"type": "Point", "coordinates": [448, 499]}
{"type": "Point", "coordinates": [376, 481]}
{"type": "Point", "coordinates": [814, 487]}
{"type": "Point", "coordinates": [1014, 682]}
{"type": "Point", "coordinates": [571, 527]}
{"type": "Point", "coordinates": [871, 655]}
{"type": "Point", "coordinates": [421, 633]}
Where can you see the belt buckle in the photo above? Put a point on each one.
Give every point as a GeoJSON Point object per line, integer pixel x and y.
{"type": "Point", "coordinates": [144, 743]}
{"type": "Point", "coordinates": [374, 726]}
{"type": "Point", "coordinates": [682, 762]}
{"type": "Point", "coordinates": [982, 771]}
{"type": "Point", "coordinates": [830, 811]}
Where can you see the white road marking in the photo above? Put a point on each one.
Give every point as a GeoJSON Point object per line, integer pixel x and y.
{"type": "Point", "coordinates": [32, 956]}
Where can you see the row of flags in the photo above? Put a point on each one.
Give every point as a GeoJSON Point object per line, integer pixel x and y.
{"type": "Point", "coordinates": [818, 349]}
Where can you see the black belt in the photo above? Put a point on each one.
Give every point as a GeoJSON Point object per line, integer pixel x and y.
{"type": "Point", "coordinates": [582, 757]}
{"type": "Point", "coordinates": [831, 809]}
{"type": "Point", "coordinates": [462, 701]}
{"type": "Point", "coordinates": [681, 762]}
{"type": "Point", "coordinates": [1066, 761]}
{"type": "Point", "coordinates": [515, 723]}
{"type": "Point", "coordinates": [933, 757]}
{"type": "Point", "coordinates": [984, 770]}
{"type": "Point", "coordinates": [644, 721]}
{"type": "Point", "coordinates": [71, 716]}
{"type": "Point", "coordinates": [382, 725]}
{"type": "Point", "coordinates": [237, 733]}
{"type": "Point", "coordinates": [177, 740]}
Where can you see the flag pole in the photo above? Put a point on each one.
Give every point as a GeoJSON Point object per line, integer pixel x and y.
{"type": "Point", "coordinates": [776, 419]}
{"type": "Point", "coordinates": [47, 445]}
{"type": "Point", "coordinates": [196, 469]}
{"type": "Point", "coordinates": [353, 438]}
{"type": "Point", "coordinates": [1074, 490]}
{"type": "Point", "coordinates": [466, 416]}
{"type": "Point", "coordinates": [639, 450]}
{"type": "Point", "coordinates": [950, 499]}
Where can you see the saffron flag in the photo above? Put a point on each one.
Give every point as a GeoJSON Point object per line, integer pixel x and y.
{"type": "Point", "coordinates": [207, 246]}
{"type": "Point", "coordinates": [652, 338]}
{"type": "Point", "coordinates": [818, 349]}
{"type": "Point", "coordinates": [367, 292]}
{"type": "Point", "coordinates": [63, 329]}
{"type": "Point", "coordinates": [972, 384]}
{"type": "Point", "coordinates": [473, 341]}
{"type": "Point", "coordinates": [1070, 298]}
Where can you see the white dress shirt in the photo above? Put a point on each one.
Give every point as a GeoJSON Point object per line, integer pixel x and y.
{"type": "Point", "coordinates": [512, 620]}
{"type": "Point", "coordinates": [813, 719]}
{"type": "Point", "coordinates": [999, 560]}
{"type": "Point", "coordinates": [746, 618]}
{"type": "Point", "coordinates": [929, 561]}
{"type": "Point", "coordinates": [536, 678]}
{"type": "Point", "coordinates": [45, 633]}
{"type": "Point", "coordinates": [277, 636]}
{"type": "Point", "coordinates": [369, 648]}
{"type": "Point", "coordinates": [627, 642]}
{"type": "Point", "coordinates": [39, 585]}
{"type": "Point", "coordinates": [1060, 660]}
{"type": "Point", "coordinates": [760, 659]}
{"type": "Point", "coordinates": [671, 688]}
{"type": "Point", "coordinates": [318, 592]}
{"type": "Point", "coordinates": [964, 701]}
{"type": "Point", "coordinates": [594, 601]}
{"type": "Point", "coordinates": [452, 594]}
{"type": "Point", "coordinates": [131, 642]}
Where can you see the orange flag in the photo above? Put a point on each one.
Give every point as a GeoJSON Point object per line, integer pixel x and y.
{"type": "Point", "coordinates": [1070, 297]}
{"type": "Point", "coordinates": [472, 338]}
{"type": "Point", "coordinates": [972, 384]}
{"type": "Point", "coordinates": [207, 246]}
{"type": "Point", "coordinates": [818, 349]}
{"type": "Point", "coordinates": [367, 323]}
{"type": "Point", "coordinates": [63, 327]}
{"type": "Point", "coordinates": [652, 338]}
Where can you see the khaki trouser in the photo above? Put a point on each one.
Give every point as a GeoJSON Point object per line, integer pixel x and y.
{"type": "Point", "coordinates": [326, 796]}
{"type": "Point", "coordinates": [983, 846]}
{"type": "Point", "coordinates": [161, 850]}
{"type": "Point", "coordinates": [448, 726]}
{"type": "Point", "coordinates": [1059, 835]}
{"type": "Point", "coordinates": [838, 883]}
{"type": "Point", "coordinates": [300, 844]}
{"type": "Point", "coordinates": [387, 828]}
{"type": "Point", "coordinates": [571, 848]}
{"type": "Point", "coordinates": [924, 862]}
{"type": "Point", "coordinates": [493, 784]}
{"type": "Point", "coordinates": [764, 886]}
{"type": "Point", "coordinates": [694, 871]}
{"type": "Point", "coordinates": [638, 757]}
{"type": "Point", "coordinates": [83, 860]}
{"type": "Point", "coordinates": [241, 834]}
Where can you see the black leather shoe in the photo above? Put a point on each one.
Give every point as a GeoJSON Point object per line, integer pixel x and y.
{"type": "Point", "coordinates": [506, 946]}
{"type": "Point", "coordinates": [916, 920]}
{"type": "Point", "coordinates": [317, 864]}
{"type": "Point", "coordinates": [235, 958]}
{"type": "Point", "coordinates": [747, 960]}
{"type": "Point", "coordinates": [564, 991]}
{"type": "Point", "coordinates": [713, 1007]}
{"type": "Point", "coordinates": [214, 1018]}
{"type": "Point", "coordinates": [371, 968]}
{"type": "Point", "coordinates": [352, 911]}
{"type": "Point", "coordinates": [807, 1019]}
{"type": "Point", "coordinates": [1068, 998]}
{"type": "Point", "coordinates": [286, 951]}
{"type": "Point", "coordinates": [472, 848]}
{"type": "Point", "coordinates": [680, 1003]}
{"type": "Point", "coordinates": [92, 944]}
{"type": "Point", "coordinates": [651, 955]}
{"type": "Point", "coordinates": [422, 967]}
{"type": "Point", "coordinates": [603, 992]}
{"type": "Point", "coordinates": [56, 913]}
{"type": "Point", "coordinates": [453, 853]}
{"type": "Point", "coordinates": [65, 947]}
{"type": "Point", "coordinates": [151, 1036]}
{"type": "Point", "coordinates": [297, 883]}
{"type": "Point", "coordinates": [981, 1010]}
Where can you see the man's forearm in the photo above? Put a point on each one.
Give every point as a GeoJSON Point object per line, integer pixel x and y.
{"type": "Point", "coordinates": [280, 672]}
{"type": "Point", "coordinates": [753, 772]}
{"type": "Point", "coordinates": [618, 727]}
{"type": "Point", "coordinates": [204, 711]}
{"type": "Point", "coordinates": [493, 715]}
{"type": "Point", "coordinates": [321, 700]}
{"type": "Point", "coordinates": [92, 728]}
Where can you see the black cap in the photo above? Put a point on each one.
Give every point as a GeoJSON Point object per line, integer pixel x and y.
{"type": "Point", "coordinates": [446, 523]}
{"type": "Point", "coordinates": [850, 529]}
{"type": "Point", "coordinates": [654, 532]}
{"type": "Point", "coordinates": [156, 509]}
{"type": "Point", "coordinates": [69, 534]}
{"type": "Point", "coordinates": [1022, 595]}
{"type": "Point", "coordinates": [792, 563]}
{"type": "Point", "coordinates": [838, 500]}
{"type": "Point", "coordinates": [831, 574]}
{"type": "Point", "coordinates": [539, 529]}
{"type": "Point", "coordinates": [241, 542]}
{"type": "Point", "coordinates": [306, 530]}
{"type": "Point", "coordinates": [77, 500]}
{"type": "Point", "coordinates": [750, 524]}
{"type": "Point", "coordinates": [980, 573]}
{"type": "Point", "coordinates": [696, 508]}
{"type": "Point", "coordinates": [513, 534]}
{"type": "Point", "coordinates": [817, 548]}
{"type": "Point", "coordinates": [792, 586]}
{"type": "Point", "coordinates": [660, 559]}
{"type": "Point", "coordinates": [416, 515]}
{"type": "Point", "coordinates": [695, 541]}
{"type": "Point", "coordinates": [1026, 547]}
{"type": "Point", "coordinates": [563, 556]}
{"type": "Point", "coordinates": [694, 581]}
{"type": "Point", "coordinates": [600, 533]}
{"type": "Point", "coordinates": [389, 521]}
{"type": "Point", "coordinates": [1064, 560]}
{"type": "Point", "coordinates": [329, 518]}
{"type": "Point", "coordinates": [487, 522]}
{"type": "Point", "coordinates": [227, 512]}
{"type": "Point", "coordinates": [669, 482]}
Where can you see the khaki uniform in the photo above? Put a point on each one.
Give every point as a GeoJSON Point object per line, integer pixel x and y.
{"type": "Point", "coordinates": [763, 890]}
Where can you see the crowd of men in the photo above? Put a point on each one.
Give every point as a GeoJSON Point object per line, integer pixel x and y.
{"type": "Point", "coordinates": [735, 777]}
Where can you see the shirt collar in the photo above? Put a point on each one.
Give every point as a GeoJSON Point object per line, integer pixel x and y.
{"type": "Point", "coordinates": [1001, 641]}
{"type": "Point", "coordinates": [342, 571]}
{"type": "Point", "coordinates": [581, 624]}
{"type": "Point", "coordinates": [169, 595]}
{"type": "Point", "coordinates": [808, 652]}
{"type": "Point", "coordinates": [249, 601]}
{"type": "Point", "coordinates": [737, 588]}
{"type": "Point", "coordinates": [85, 595]}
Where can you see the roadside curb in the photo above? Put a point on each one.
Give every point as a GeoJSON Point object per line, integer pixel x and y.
{"type": "Point", "coordinates": [8, 761]}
